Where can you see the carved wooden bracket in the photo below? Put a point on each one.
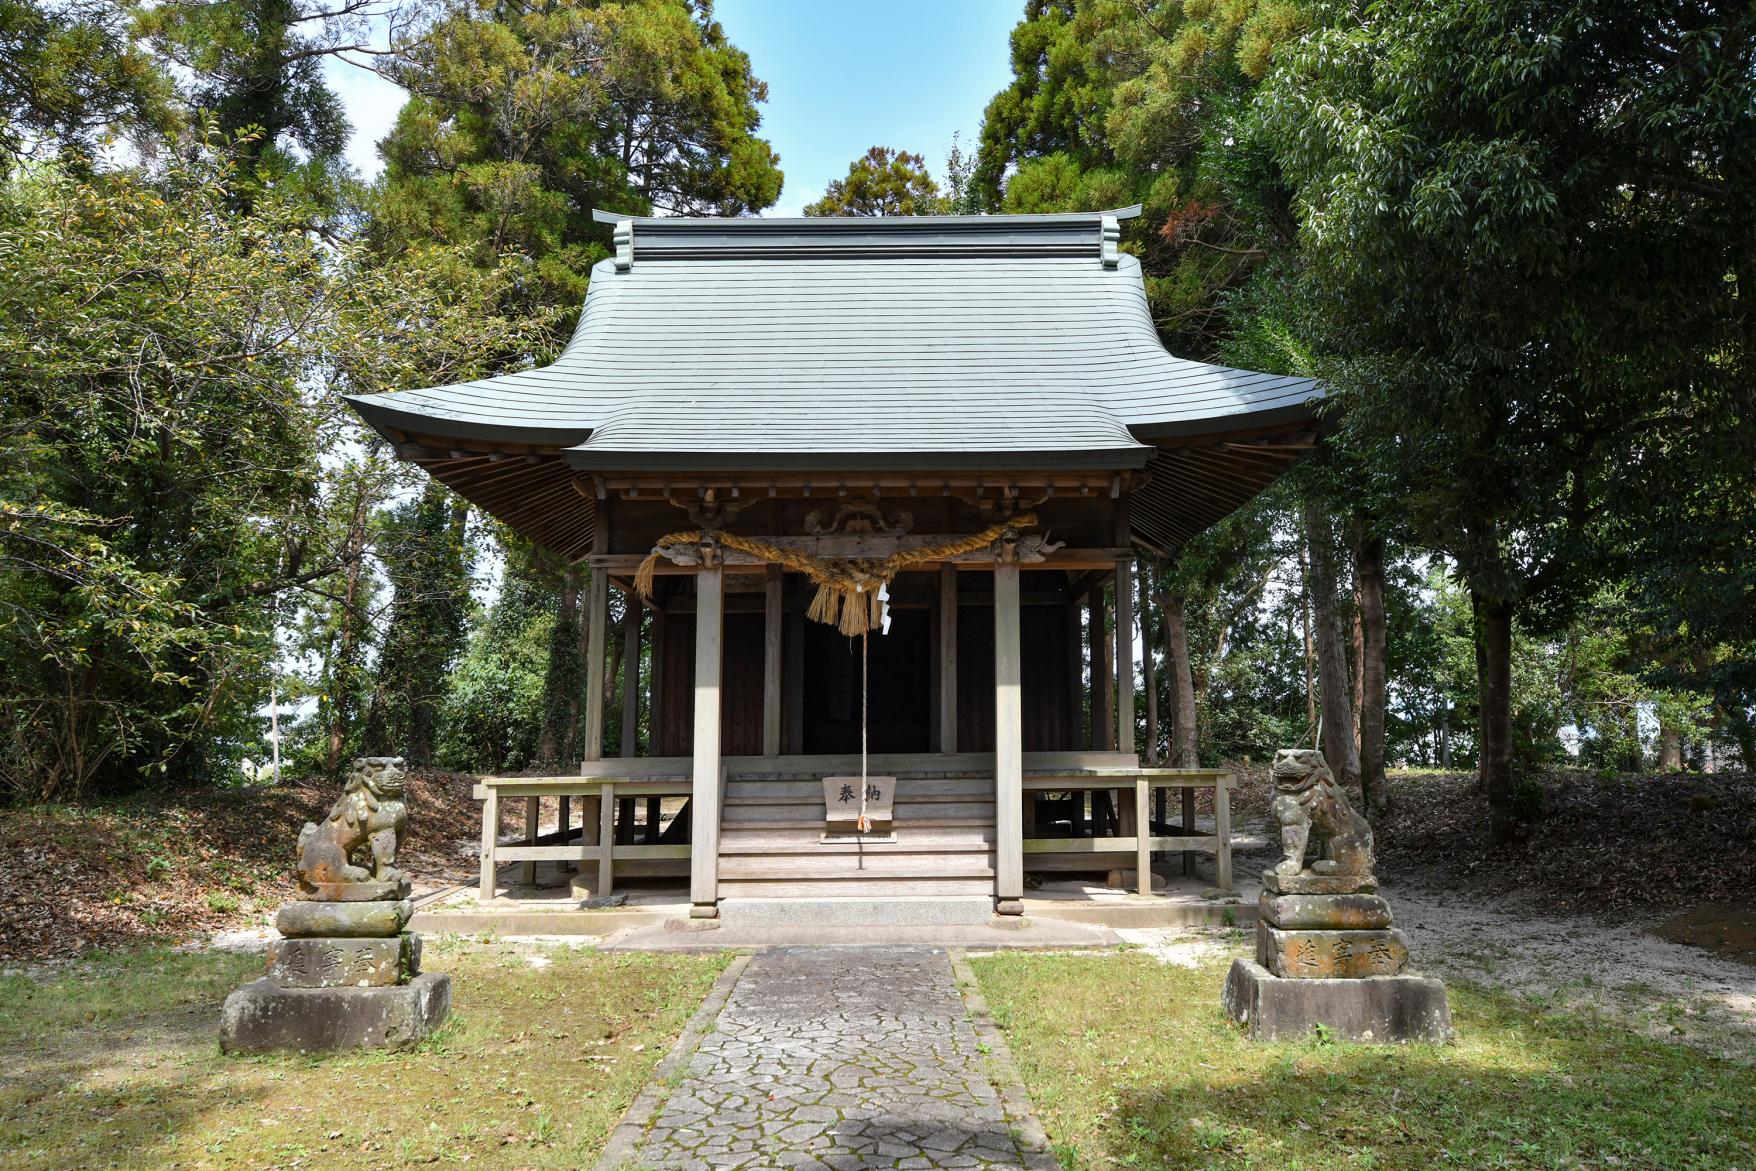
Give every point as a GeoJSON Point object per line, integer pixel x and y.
{"type": "Point", "coordinates": [857, 517]}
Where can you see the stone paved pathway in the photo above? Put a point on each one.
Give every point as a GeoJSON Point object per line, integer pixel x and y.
{"type": "Point", "coordinates": [837, 1059]}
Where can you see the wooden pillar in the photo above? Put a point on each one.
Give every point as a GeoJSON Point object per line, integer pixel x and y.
{"type": "Point", "coordinates": [710, 586]}
{"type": "Point", "coordinates": [606, 841]}
{"type": "Point", "coordinates": [1142, 832]}
{"type": "Point", "coordinates": [793, 680]}
{"type": "Point", "coordinates": [1188, 828]}
{"type": "Point", "coordinates": [771, 661]}
{"type": "Point", "coordinates": [1125, 657]}
{"type": "Point", "coordinates": [631, 677]}
{"type": "Point", "coordinates": [490, 838]}
{"type": "Point", "coordinates": [533, 806]}
{"type": "Point", "coordinates": [1008, 744]}
{"type": "Point", "coordinates": [1075, 739]}
{"type": "Point", "coordinates": [1222, 828]}
{"type": "Point", "coordinates": [1103, 675]}
{"type": "Point", "coordinates": [948, 657]}
{"type": "Point", "coordinates": [655, 688]}
{"type": "Point", "coordinates": [597, 618]}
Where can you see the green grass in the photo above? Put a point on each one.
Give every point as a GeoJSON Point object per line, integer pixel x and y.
{"type": "Point", "coordinates": [116, 1063]}
{"type": "Point", "coordinates": [1131, 1063]}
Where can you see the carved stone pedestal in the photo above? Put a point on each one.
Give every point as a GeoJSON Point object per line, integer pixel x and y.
{"type": "Point", "coordinates": [1326, 953]}
{"type": "Point", "coordinates": [346, 975]}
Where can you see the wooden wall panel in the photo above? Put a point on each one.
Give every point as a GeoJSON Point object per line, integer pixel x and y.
{"type": "Point", "coordinates": [740, 689]}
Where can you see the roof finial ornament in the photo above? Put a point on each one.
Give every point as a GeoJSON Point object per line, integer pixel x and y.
{"type": "Point", "coordinates": [1112, 239]}
{"type": "Point", "coordinates": [623, 235]}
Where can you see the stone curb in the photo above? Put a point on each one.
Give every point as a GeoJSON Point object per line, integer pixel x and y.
{"type": "Point", "coordinates": [625, 1139]}
{"type": "Point", "coordinates": [1003, 1071]}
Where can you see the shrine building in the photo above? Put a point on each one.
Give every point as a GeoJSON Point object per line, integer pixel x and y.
{"type": "Point", "coordinates": [761, 425]}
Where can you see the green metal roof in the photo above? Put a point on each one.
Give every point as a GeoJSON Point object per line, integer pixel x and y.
{"type": "Point", "coordinates": [929, 342]}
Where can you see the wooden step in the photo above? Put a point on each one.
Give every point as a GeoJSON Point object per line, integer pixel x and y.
{"type": "Point", "coordinates": [910, 841]}
{"type": "Point", "coordinates": [941, 812]}
{"type": "Point", "coordinates": [852, 886]}
{"type": "Point", "coordinates": [853, 865]}
{"type": "Point", "coordinates": [906, 790]}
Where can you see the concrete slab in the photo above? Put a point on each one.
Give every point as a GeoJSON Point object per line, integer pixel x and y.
{"type": "Point", "coordinates": [992, 936]}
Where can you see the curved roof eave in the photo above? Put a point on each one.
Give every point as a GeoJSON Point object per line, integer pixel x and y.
{"type": "Point", "coordinates": [385, 416]}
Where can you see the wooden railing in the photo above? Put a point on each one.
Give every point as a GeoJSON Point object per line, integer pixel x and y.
{"type": "Point", "coordinates": [1141, 843]}
{"type": "Point", "coordinates": [602, 784]}
{"type": "Point", "coordinates": [597, 797]}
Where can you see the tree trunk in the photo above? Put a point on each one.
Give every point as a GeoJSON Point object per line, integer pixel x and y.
{"type": "Point", "coordinates": [1185, 743]}
{"type": "Point", "coordinates": [1670, 748]}
{"type": "Point", "coordinates": [1331, 646]}
{"type": "Point", "coordinates": [1369, 585]}
{"type": "Point", "coordinates": [1310, 655]}
{"type": "Point", "coordinates": [1493, 639]}
{"type": "Point", "coordinates": [1148, 669]}
{"type": "Point", "coordinates": [341, 670]}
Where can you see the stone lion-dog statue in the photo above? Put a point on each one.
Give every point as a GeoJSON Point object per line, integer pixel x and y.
{"type": "Point", "coordinates": [368, 820]}
{"type": "Point", "coordinates": [1308, 802]}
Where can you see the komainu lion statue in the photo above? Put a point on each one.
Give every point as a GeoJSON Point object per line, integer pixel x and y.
{"type": "Point", "coordinates": [1307, 802]}
{"type": "Point", "coordinates": [366, 822]}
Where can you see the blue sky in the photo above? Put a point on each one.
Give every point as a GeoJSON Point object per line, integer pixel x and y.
{"type": "Point", "coordinates": [841, 77]}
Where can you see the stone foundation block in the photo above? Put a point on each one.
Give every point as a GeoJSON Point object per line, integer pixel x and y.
{"type": "Point", "coordinates": [1375, 1009]}
{"type": "Point", "coordinates": [369, 920]}
{"type": "Point", "coordinates": [263, 1017]}
{"type": "Point", "coordinates": [1330, 955]}
{"type": "Point", "coordinates": [343, 963]}
{"type": "Point", "coordinates": [1307, 883]}
{"type": "Point", "coordinates": [1323, 912]}
{"type": "Point", "coordinates": [354, 892]}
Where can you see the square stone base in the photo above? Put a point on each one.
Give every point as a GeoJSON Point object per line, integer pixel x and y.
{"type": "Point", "coordinates": [344, 963]}
{"type": "Point", "coordinates": [1375, 1009]}
{"type": "Point", "coordinates": [1330, 955]}
{"type": "Point", "coordinates": [263, 1017]}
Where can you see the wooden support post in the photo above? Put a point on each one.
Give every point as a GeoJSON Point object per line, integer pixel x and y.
{"type": "Point", "coordinates": [564, 817]}
{"type": "Point", "coordinates": [948, 658]}
{"type": "Point", "coordinates": [1008, 744]}
{"type": "Point", "coordinates": [1103, 675]}
{"type": "Point", "coordinates": [1075, 739]}
{"type": "Point", "coordinates": [598, 604]}
{"type": "Point", "coordinates": [1188, 828]}
{"type": "Point", "coordinates": [625, 821]}
{"type": "Point", "coordinates": [1222, 828]}
{"type": "Point", "coordinates": [1125, 657]}
{"type": "Point", "coordinates": [631, 677]}
{"type": "Point", "coordinates": [1142, 832]}
{"type": "Point", "coordinates": [655, 812]}
{"type": "Point", "coordinates": [490, 838]}
{"type": "Point", "coordinates": [793, 680]}
{"type": "Point", "coordinates": [710, 585]}
{"type": "Point", "coordinates": [532, 811]}
{"type": "Point", "coordinates": [771, 661]}
{"type": "Point", "coordinates": [606, 841]}
{"type": "Point", "coordinates": [655, 689]}
{"type": "Point", "coordinates": [591, 833]}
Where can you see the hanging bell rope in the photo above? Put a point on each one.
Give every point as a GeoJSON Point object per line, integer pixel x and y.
{"type": "Point", "coordinates": [847, 587]}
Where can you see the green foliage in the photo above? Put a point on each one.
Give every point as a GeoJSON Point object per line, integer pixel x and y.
{"type": "Point", "coordinates": [494, 700]}
{"type": "Point", "coordinates": [427, 557]}
{"type": "Point", "coordinates": [525, 117]}
{"type": "Point", "coordinates": [1525, 232]}
{"type": "Point", "coordinates": [69, 73]}
{"type": "Point", "coordinates": [882, 182]}
{"type": "Point", "coordinates": [160, 454]}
